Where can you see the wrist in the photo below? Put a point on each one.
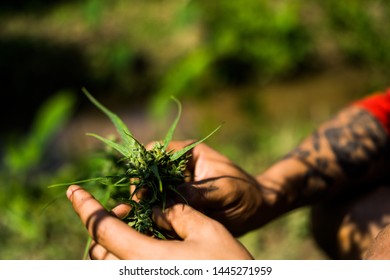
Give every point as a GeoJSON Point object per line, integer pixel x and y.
{"type": "Point", "coordinates": [283, 188]}
{"type": "Point", "coordinates": [274, 202]}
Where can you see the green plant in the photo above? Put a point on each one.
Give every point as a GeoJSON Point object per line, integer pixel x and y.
{"type": "Point", "coordinates": [27, 231]}
{"type": "Point", "coordinates": [157, 171]}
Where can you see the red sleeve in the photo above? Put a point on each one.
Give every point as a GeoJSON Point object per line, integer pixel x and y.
{"type": "Point", "coordinates": [378, 104]}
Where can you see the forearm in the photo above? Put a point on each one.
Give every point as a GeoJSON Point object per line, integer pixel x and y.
{"type": "Point", "coordinates": [345, 152]}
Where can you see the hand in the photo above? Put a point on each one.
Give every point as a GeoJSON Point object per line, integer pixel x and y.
{"type": "Point", "coordinates": [202, 237]}
{"type": "Point", "coordinates": [380, 248]}
{"type": "Point", "coordinates": [222, 190]}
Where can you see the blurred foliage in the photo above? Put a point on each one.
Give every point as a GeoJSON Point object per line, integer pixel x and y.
{"type": "Point", "coordinates": [223, 59]}
{"type": "Point", "coordinates": [26, 168]}
{"type": "Point", "coordinates": [241, 42]}
{"type": "Point", "coordinates": [20, 157]}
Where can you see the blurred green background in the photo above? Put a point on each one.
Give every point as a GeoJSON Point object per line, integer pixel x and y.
{"type": "Point", "coordinates": [270, 71]}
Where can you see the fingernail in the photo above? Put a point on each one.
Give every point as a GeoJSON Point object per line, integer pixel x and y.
{"type": "Point", "coordinates": [69, 192]}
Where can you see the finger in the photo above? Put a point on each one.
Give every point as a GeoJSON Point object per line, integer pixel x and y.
{"type": "Point", "coordinates": [98, 252]}
{"type": "Point", "coordinates": [182, 219]}
{"type": "Point", "coordinates": [103, 226]}
{"type": "Point", "coordinates": [150, 145]}
{"type": "Point", "coordinates": [189, 194]}
{"type": "Point", "coordinates": [179, 145]}
{"type": "Point", "coordinates": [90, 211]}
{"type": "Point", "coordinates": [121, 211]}
{"type": "Point", "coordinates": [204, 194]}
{"type": "Point", "coordinates": [380, 248]}
{"type": "Point", "coordinates": [139, 193]}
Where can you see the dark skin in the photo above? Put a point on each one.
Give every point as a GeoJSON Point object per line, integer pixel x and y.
{"type": "Point", "coordinates": [344, 155]}
{"type": "Point", "coordinates": [379, 249]}
{"type": "Point", "coordinates": [201, 237]}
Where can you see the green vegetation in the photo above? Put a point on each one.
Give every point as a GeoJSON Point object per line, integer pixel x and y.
{"type": "Point", "coordinates": [157, 172]}
{"type": "Point", "coordinates": [269, 70]}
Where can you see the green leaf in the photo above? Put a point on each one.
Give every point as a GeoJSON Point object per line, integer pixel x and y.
{"type": "Point", "coordinates": [154, 169]}
{"type": "Point", "coordinates": [120, 148]}
{"type": "Point", "coordinates": [128, 140]}
{"type": "Point", "coordinates": [172, 129]}
{"type": "Point", "coordinates": [49, 119]}
{"type": "Point", "coordinates": [77, 182]}
{"type": "Point", "coordinates": [159, 234]}
{"type": "Point", "coordinates": [181, 152]}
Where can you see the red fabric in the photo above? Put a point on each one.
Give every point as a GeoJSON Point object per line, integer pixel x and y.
{"type": "Point", "coordinates": [379, 105]}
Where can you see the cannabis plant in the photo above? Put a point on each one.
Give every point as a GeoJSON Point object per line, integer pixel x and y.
{"type": "Point", "coordinates": [157, 171]}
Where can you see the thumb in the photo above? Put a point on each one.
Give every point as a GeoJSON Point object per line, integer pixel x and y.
{"type": "Point", "coordinates": [184, 220]}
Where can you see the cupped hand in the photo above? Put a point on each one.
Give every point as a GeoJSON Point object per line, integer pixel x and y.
{"type": "Point", "coordinates": [201, 236]}
{"type": "Point", "coordinates": [221, 189]}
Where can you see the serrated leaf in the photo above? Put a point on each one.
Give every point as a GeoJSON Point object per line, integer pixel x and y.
{"type": "Point", "coordinates": [169, 136]}
{"type": "Point", "coordinates": [181, 152]}
{"type": "Point", "coordinates": [127, 138]}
